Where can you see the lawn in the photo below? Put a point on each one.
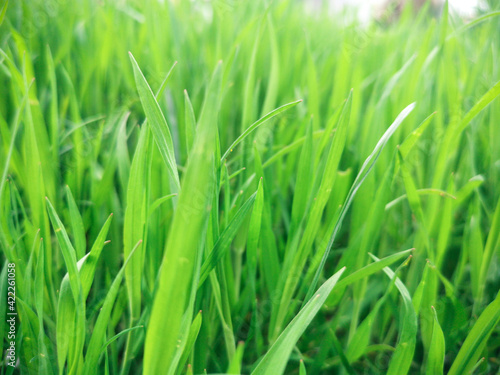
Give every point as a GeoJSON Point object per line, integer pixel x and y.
{"type": "Point", "coordinates": [248, 187]}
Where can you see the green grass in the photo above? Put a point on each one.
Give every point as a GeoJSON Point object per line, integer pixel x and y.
{"type": "Point", "coordinates": [238, 187]}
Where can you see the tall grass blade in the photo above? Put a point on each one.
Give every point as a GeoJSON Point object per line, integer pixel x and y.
{"type": "Point", "coordinates": [275, 360]}
{"type": "Point", "coordinates": [184, 242]}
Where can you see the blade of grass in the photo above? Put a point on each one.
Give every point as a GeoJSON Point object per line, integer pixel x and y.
{"type": "Point", "coordinates": [363, 173]}
{"type": "Point", "coordinates": [225, 239]}
{"type": "Point", "coordinates": [405, 349]}
{"type": "Point", "coordinates": [476, 340]}
{"type": "Point", "coordinates": [157, 122]}
{"type": "Point", "coordinates": [97, 340]}
{"type": "Point", "coordinates": [76, 225]}
{"type": "Point", "coordinates": [275, 360]}
{"type": "Point", "coordinates": [257, 123]}
{"type": "Point", "coordinates": [435, 359]}
{"type": "Point", "coordinates": [194, 330]}
{"type": "Point", "coordinates": [178, 267]}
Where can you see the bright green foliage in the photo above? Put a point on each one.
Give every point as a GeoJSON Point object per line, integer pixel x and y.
{"type": "Point", "coordinates": [225, 186]}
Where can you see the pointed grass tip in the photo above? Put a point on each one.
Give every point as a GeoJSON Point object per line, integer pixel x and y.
{"type": "Point", "coordinates": [408, 260]}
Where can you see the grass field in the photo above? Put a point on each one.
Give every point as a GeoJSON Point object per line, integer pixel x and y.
{"type": "Point", "coordinates": [245, 187]}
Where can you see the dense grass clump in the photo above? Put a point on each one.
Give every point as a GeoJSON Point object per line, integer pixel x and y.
{"type": "Point", "coordinates": [248, 188]}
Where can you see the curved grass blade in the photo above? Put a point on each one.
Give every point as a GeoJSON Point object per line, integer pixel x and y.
{"type": "Point", "coordinates": [275, 360]}
{"type": "Point", "coordinates": [99, 332]}
{"type": "Point", "coordinates": [78, 331]}
{"type": "Point", "coordinates": [117, 336]}
{"type": "Point", "coordinates": [361, 338]}
{"type": "Point", "coordinates": [476, 339]}
{"type": "Point", "coordinates": [194, 330]}
{"type": "Point", "coordinates": [3, 11]}
{"type": "Point", "coordinates": [65, 324]}
{"type": "Point", "coordinates": [157, 122]}
{"type": "Point", "coordinates": [67, 249]}
{"type": "Point", "coordinates": [367, 271]}
{"type": "Point", "coordinates": [486, 99]}
{"type": "Point", "coordinates": [235, 364]}
{"type": "Point", "coordinates": [473, 23]}
{"type": "Point", "coordinates": [253, 241]}
{"type": "Point", "coordinates": [76, 225]}
{"type": "Point", "coordinates": [135, 222]}
{"type": "Point", "coordinates": [291, 147]}
{"type": "Point", "coordinates": [157, 203]}
{"type": "Point", "coordinates": [163, 85]}
{"type": "Point", "coordinates": [256, 124]}
{"type": "Point", "coordinates": [296, 256]}
{"type": "Point", "coordinates": [435, 359]}
{"type": "Point", "coordinates": [88, 268]}
{"type": "Point", "coordinates": [420, 192]}
{"type": "Point", "coordinates": [405, 349]}
{"type": "Point", "coordinates": [225, 239]}
{"type": "Point", "coordinates": [412, 139]}
{"type": "Point", "coordinates": [69, 256]}
{"type": "Point", "coordinates": [16, 122]}
{"type": "Point", "coordinates": [179, 270]}
{"type": "Point", "coordinates": [363, 173]}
